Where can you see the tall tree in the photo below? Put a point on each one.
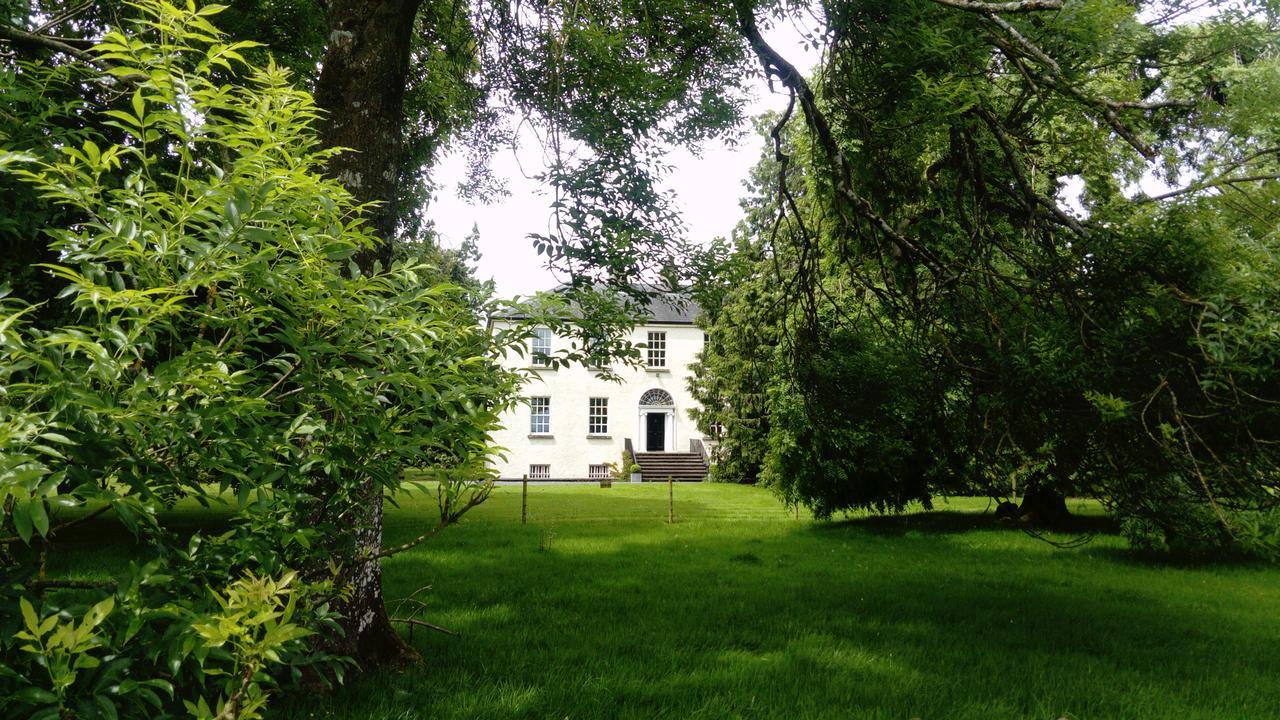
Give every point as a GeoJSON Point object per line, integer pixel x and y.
{"type": "Point", "coordinates": [361, 88]}
{"type": "Point", "coordinates": [1061, 343]}
{"type": "Point", "coordinates": [570, 67]}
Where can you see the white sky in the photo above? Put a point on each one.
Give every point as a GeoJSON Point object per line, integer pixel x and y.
{"type": "Point", "coordinates": [707, 186]}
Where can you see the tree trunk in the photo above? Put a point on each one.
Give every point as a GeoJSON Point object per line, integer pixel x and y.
{"type": "Point", "coordinates": [368, 635]}
{"type": "Point", "coordinates": [1045, 507]}
{"type": "Point", "coordinates": [361, 88]}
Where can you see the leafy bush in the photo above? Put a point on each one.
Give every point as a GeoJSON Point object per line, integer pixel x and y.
{"type": "Point", "coordinates": [224, 349]}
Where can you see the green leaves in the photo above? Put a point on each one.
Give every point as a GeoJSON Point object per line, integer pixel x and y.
{"type": "Point", "coordinates": [63, 647]}
{"type": "Point", "coordinates": [20, 516]}
{"type": "Point", "coordinates": [39, 518]}
{"type": "Point", "coordinates": [29, 616]}
{"type": "Point", "coordinates": [221, 354]}
{"type": "Point", "coordinates": [1110, 408]}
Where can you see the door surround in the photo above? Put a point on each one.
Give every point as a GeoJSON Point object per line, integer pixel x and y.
{"type": "Point", "coordinates": [657, 402]}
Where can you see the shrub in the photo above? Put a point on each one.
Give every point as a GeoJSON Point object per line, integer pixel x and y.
{"type": "Point", "coordinates": [224, 349]}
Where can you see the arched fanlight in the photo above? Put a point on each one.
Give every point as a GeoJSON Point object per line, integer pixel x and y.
{"type": "Point", "coordinates": [657, 396]}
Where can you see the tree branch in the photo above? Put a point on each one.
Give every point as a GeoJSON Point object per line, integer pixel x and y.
{"type": "Point", "coordinates": [40, 585]}
{"type": "Point", "coordinates": [777, 66]}
{"type": "Point", "coordinates": [69, 46]}
{"type": "Point", "coordinates": [59, 19]}
{"type": "Point", "coordinates": [1216, 182]}
{"type": "Point", "coordinates": [448, 516]}
{"type": "Point", "coordinates": [63, 526]}
{"type": "Point", "coordinates": [1151, 105]}
{"type": "Point", "coordinates": [75, 48]}
{"type": "Point", "coordinates": [1032, 198]}
{"type": "Point", "coordinates": [397, 549]}
{"type": "Point", "coordinates": [1106, 107]}
{"type": "Point", "coordinates": [425, 624]}
{"type": "Point", "coordinates": [1006, 7]}
{"type": "Point", "coordinates": [284, 376]}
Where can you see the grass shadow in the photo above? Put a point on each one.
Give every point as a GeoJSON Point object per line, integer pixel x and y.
{"type": "Point", "coordinates": [1174, 559]}
{"type": "Point", "coordinates": [773, 620]}
{"type": "Point", "coordinates": [952, 522]}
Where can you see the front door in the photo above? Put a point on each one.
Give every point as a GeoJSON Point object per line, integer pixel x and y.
{"type": "Point", "coordinates": [655, 431]}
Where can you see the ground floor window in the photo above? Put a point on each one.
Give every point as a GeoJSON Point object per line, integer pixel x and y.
{"type": "Point", "coordinates": [597, 472]}
{"type": "Point", "coordinates": [539, 472]}
{"type": "Point", "coordinates": [539, 415]}
{"type": "Point", "coordinates": [598, 416]}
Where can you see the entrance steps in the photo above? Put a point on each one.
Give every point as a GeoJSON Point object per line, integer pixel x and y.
{"type": "Point", "coordinates": [679, 466]}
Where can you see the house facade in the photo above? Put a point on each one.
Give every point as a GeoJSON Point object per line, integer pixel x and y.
{"type": "Point", "coordinates": [574, 422]}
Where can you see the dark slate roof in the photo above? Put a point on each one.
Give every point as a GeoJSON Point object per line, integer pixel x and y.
{"type": "Point", "coordinates": [665, 308]}
{"type": "Point", "coordinates": [673, 308]}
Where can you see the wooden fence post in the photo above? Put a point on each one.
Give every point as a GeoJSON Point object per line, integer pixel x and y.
{"type": "Point", "coordinates": [524, 498]}
{"type": "Point", "coordinates": [671, 500]}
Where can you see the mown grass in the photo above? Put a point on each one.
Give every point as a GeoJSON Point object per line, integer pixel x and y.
{"type": "Point", "coordinates": [599, 609]}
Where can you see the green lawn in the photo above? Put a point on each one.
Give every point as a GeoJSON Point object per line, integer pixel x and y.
{"type": "Point", "coordinates": [599, 609]}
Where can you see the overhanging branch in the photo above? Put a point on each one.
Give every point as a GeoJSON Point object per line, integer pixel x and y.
{"type": "Point", "coordinates": [1004, 7]}
{"type": "Point", "coordinates": [63, 526]}
{"type": "Point", "coordinates": [449, 515]}
{"type": "Point", "coordinates": [74, 47]}
{"type": "Point", "coordinates": [842, 181]}
{"type": "Point", "coordinates": [1055, 77]}
{"type": "Point", "coordinates": [1207, 184]}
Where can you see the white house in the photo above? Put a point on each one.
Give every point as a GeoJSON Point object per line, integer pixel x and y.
{"type": "Point", "coordinates": [574, 422]}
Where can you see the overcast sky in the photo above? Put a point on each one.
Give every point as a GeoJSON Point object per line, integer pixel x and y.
{"type": "Point", "coordinates": [707, 186]}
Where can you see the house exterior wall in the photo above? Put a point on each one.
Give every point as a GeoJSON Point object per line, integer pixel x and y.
{"type": "Point", "coordinates": [568, 448]}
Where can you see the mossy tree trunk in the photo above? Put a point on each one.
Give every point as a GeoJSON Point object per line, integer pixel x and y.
{"type": "Point", "coordinates": [361, 88]}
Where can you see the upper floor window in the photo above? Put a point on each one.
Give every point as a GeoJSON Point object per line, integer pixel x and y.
{"type": "Point", "coordinates": [598, 416]}
{"type": "Point", "coordinates": [541, 347]}
{"type": "Point", "coordinates": [657, 353]}
{"type": "Point", "coordinates": [540, 415]}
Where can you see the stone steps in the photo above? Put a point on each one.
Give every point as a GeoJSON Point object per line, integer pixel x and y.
{"type": "Point", "coordinates": [681, 467]}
